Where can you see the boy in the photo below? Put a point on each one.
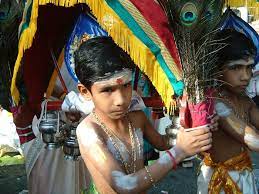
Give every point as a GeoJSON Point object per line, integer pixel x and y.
{"type": "Point", "coordinates": [111, 138]}
{"type": "Point", "coordinates": [228, 168]}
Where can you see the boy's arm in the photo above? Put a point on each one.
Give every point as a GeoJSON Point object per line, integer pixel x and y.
{"type": "Point", "coordinates": [111, 178]}
{"type": "Point", "coordinates": [254, 116]}
{"type": "Point", "coordinates": [237, 127]}
{"type": "Point", "coordinates": [160, 142]}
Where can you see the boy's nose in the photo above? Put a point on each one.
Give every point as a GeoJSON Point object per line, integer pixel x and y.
{"type": "Point", "coordinates": [246, 75]}
{"type": "Point", "coordinates": [119, 98]}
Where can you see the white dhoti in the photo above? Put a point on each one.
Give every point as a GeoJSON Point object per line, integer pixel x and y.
{"type": "Point", "coordinates": [244, 180]}
{"type": "Point", "coordinates": [49, 173]}
{"type": "Point", "coordinates": [233, 176]}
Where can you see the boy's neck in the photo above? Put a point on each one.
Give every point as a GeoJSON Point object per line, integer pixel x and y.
{"type": "Point", "coordinates": [117, 125]}
{"type": "Point", "coordinates": [225, 92]}
{"type": "Point", "coordinates": [230, 94]}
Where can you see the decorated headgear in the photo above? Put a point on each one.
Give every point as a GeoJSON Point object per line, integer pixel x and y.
{"type": "Point", "coordinates": [85, 28]}
{"type": "Point", "coordinates": [231, 21]}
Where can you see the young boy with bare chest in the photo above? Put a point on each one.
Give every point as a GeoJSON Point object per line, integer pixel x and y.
{"type": "Point", "coordinates": [111, 137]}
{"type": "Point", "coordinates": [228, 168]}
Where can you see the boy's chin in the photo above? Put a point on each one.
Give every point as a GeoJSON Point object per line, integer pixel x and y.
{"type": "Point", "coordinates": [237, 90]}
{"type": "Point", "coordinates": [240, 91]}
{"type": "Point", "coordinates": [117, 115]}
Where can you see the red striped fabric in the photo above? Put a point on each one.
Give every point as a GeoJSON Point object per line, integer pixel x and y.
{"type": "Point", "coordinates": [159, 23]}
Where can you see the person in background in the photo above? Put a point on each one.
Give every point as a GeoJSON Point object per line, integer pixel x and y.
{"type": "Point", "coordinates": [227, 168]}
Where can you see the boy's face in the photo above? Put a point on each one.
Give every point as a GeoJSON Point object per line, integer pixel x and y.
{"type": "Point", "coordinates": [112, 97]}
{"type": "Point", "coordinates": [237, 74]}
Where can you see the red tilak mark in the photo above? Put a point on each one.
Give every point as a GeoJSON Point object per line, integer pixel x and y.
{"type": "Point", "coordinates": [119, 81]}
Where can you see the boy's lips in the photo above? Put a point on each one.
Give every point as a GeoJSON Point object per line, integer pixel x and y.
{"type": "Point", "coordinates": [243, 86]}
{"type": "Point", "coordinates": [122, 111]}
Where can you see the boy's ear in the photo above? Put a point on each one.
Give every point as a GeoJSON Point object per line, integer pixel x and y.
{"type": "Point", "coordinates": [84, 92]}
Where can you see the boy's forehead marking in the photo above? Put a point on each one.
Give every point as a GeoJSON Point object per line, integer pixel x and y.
{"type": "Point", "coordinates": [245, 62]}
{"type": "Point", "coordinates": [116, 79]}
{"type": "Point", "coordinates": [119, 81]}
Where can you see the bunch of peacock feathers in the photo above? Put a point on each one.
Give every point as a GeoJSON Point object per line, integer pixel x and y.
{"type": "Point", "coordinates": [194, 24]}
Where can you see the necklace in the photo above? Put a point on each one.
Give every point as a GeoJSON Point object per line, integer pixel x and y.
{"type": "Point", "coordinates": [238, 110]}
{"type": "Point", "coordinates": [110, 134]}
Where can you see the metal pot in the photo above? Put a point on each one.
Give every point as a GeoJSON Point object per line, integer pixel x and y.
{"type": "Point", "coordinates": [70, 146]}
{"type": "Point", "coordinates": [48, 128]}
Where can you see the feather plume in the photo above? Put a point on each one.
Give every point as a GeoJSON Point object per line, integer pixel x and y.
{"type": "Point", "coordinates": [194, 27]}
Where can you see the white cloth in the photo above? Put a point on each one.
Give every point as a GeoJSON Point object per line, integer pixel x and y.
{"type": "Point", "coordinates": [48, 172]}
{"type": "Point", "coordinates": [9, 139]}
{"type": "Point", "coordinates": [244, 179]}
{"type": "Point", "coordinates": [75, 102]}
{"type": "Point", "coordinates": [253, 87]}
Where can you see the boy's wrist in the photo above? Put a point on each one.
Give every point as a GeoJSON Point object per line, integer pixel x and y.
{"type": "Point", "coordinates": [178, 154]}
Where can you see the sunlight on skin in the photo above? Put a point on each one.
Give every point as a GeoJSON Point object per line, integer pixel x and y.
{"type": "Point", "coordinates": [90, 139]}
{"type": "Point", "coordinates": [223, 111]}
{"type": "Point", "coordinates": [240, 128]}
{"type": "Point", "coordinates": [98, 154]}
{"type": "Point", "coordinates": [252, 141]}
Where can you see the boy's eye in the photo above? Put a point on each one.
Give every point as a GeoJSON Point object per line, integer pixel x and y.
{"type": "Point", "coordinates": [235, 67]}
{"type": "Point", "coordinates": [250, 67]}
{"type": "Point", "coordinates": [127, 85]}
{"type": "Point", "coordinates": [107, 90]}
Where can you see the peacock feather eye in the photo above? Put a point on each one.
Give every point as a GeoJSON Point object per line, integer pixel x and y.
{"type": "Point", "coordinates": [189, 14]}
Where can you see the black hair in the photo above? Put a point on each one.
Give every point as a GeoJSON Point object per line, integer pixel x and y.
{"type": "Point", "coordinates": [235, 46]}
{"type": "Point", "coordinates": [97, 57]}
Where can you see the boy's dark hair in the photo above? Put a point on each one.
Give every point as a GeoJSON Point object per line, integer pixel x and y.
{"type": "Point", "coordinates": [98, 57]}
{"type": "Point", "coordinates": [236, 46]}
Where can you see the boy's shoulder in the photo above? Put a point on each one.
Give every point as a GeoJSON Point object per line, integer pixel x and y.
{"type": "Point", "coordinates": [87, 125]}
{"type": "Point", "coordinates": [136, 115]}
{"type": "Point", "coordinates": [88, 134]}
{"type": "Point", "coordinates": [247, 100]}
{"type": "Point", "coordinates": [138, 118]}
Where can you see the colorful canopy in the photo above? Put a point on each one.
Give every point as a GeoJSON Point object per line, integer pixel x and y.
{"type": "Point", "coordinates": [139, 27]}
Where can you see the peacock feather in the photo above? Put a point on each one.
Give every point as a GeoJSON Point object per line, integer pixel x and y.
{"type": "Point", "coordinates": [193, 23]}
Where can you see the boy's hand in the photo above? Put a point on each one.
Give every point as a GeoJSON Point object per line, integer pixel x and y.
{"type": "Point", "coordinates": [214, 122]}
{"type": "Point", "coordinates": [194, 141]}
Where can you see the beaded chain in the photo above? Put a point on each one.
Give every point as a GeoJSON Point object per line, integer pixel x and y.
{"type": "Point", "coordinates": [133, 154]}
{"type": "Point", "coordinates": [240, 113]}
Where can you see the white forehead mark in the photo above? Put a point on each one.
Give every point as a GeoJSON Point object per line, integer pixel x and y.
{"type": "Point", "coordinates": [120, 78]}
{"type": "Point", "coordinates": [249, 61]}
{"type": "Point", "coordinates": [123, 181]}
